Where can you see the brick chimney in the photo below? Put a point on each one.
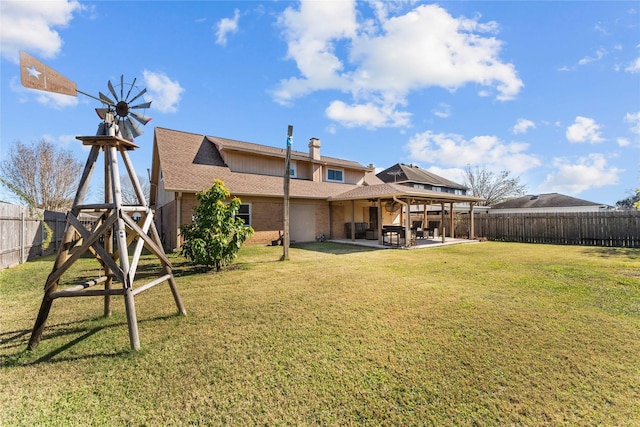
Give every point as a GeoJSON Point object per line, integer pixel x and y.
{"type": "Point", "coordinates": [314, 149]}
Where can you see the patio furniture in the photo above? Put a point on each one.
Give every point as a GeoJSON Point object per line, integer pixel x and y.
{"type": "Point", "coordinates": [360, 228]}
{"type": "Point", "coordinates": [417, 230]}
{"type": "Point", "coordinates": [391, 233]}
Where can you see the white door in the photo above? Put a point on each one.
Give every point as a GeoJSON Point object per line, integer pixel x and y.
{"type": "Point", "coordinates": [302, 223]}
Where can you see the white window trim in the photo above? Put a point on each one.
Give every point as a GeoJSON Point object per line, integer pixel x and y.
{"type": "Point", "coordinates": [247, 224]}
{"type": "Point", "coordinates": [334, 180]}
{"type": "Point", "coordinates": [294, 169]}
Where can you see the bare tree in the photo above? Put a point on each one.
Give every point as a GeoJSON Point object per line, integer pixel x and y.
{"type": "Point", "coordinates": [129, 196]}
{"type": "Point", "coordinates": [44, 175]}
{"type": "Point", "coordinates": [492, 187]}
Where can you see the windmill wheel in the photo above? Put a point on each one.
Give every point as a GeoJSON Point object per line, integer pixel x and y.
{"type": "Point", "coordinates": [123, 107]}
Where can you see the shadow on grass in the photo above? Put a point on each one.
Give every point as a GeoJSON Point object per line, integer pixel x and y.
{"type": "Point", "coordinates": [607, 252]}
{"type": "Point", "coordinates": [14, 339]}
{"type": "Point", "coordinates": [332, 248]}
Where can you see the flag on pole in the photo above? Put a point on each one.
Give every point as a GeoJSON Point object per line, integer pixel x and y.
{"type": "Point", "coordinates": [35, 75]}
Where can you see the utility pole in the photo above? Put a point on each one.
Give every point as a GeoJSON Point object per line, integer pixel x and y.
{"type": "Point", "coordinates": [287, 178]}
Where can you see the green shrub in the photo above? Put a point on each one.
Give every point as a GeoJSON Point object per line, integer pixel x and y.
{"type": "Point", "coordinates": [217, 233]}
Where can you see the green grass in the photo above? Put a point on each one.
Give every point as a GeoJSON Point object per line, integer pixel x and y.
{"type": "Point", "coordinates": [482, 334]}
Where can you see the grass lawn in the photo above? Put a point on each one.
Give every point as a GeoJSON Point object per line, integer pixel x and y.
{"type": "Point", "coordinates": [479, 334]}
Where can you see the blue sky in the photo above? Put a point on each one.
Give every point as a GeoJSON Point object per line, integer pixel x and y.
{"type": "Point", "coordinates": [548, 90]}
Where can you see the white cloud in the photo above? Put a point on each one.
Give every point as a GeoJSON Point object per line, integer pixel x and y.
{"type": "Point", "coordinates": [634, 120]}
{"type": "Point", "coordinates": [227, 26]}
{"type": "Point", "coordinates": [454, 174]}
{"type": "Point", "coordinates": [366, 115]}
{"type": "Point", "coordinates": [588, 172]}
{"type": "Point", "coordinates": [442, 110]}
{"type": "Point", "coordinates": [633, 67]}
{"type": "Point", "coordinates": [522, 126]}
{"type": "Point", "coordinates": [623, 142]}
{"type": "Point", "coordinates": [379, 61]}
{"type": "Point", "coordinates": [584, 130]}
{"type": "Point", "coordinates": [587, 59]}
{"type": "Point", "coordinates": [164, 92]}
{"type": "Point", "coordinates": [30, 26]}
{"type": "Point", "coordinates": [454, 151]}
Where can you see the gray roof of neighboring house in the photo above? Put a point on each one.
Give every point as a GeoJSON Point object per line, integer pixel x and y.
{"type": "Point", "coordinates": [401, 173]}
{"type": "Point", "coordinates": [551, 200]}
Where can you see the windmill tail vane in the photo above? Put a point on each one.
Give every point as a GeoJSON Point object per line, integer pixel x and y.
{"type": "Point", "coordinates": [116, 116]}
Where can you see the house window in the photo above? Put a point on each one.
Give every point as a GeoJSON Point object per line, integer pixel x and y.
{"type": "Point", "coordinates": [245, 213]}
{"type": "Point", "coordinates": [293, 170]}
{"type": "Point", "coordinates": [420, 186]}
{"type": "Point", "coordinates": [335, 175]}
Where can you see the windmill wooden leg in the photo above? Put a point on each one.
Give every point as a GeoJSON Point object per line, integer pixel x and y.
{"type": "Point", "coordinates": [38, 328]}
{"type": "Point", "coordinates": [63, 252]}
{"type": "Point", "coordinates": [167, 269]}
{"type": "Point", "coordinates": [123, 251]}
{"type": "Point", "coordinates": [108, 237]}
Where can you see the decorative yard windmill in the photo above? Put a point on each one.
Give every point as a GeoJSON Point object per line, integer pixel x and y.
{"type": "Point", "coordinates": [115, 231]}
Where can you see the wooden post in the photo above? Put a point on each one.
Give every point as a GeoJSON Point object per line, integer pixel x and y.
{"type": "Point", "coordinates": [443, 231]}
{"type": "Point", "coordinates": [353, 221]}
{"type": "Point", "coordinates": [451, 230]}
{"type": "Point", "coordinates": [472, 232]}
{"type": "Point", "coordinates": [380, 242]}
{"type": "Point", "coordinates": [63, 251]}
{"type": "Point", "coordinates": [108, 236]}
{"type": "Point", "coordinates": [287, 178]}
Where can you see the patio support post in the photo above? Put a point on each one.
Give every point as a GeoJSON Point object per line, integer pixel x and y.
{"type": "Point", "coordinates": [442, 232]}
{"type": "Point", "coordinates": [407, 225]}
{"type": "Point", "coordinates": [451, 230]}
{"type": "Point", "coordinates": [353, 220]}
{"type": "Point", "coordinates": [472, 232]}
{"type": "Point", "coordinates": [380, 222]}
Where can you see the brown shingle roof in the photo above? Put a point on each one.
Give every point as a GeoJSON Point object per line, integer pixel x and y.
{"type": "Point", "coordinates": [190, 162]}
{"type": "Point", "coordinates": [248, 147]}
{"type": "Point", "coordinates": [387, 191]}
{"type": "Point", "coordinates": [551, 200]}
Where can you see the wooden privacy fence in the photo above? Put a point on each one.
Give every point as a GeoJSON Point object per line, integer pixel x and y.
{"type": "Point", "coordinates": [613, 228]}
{"type": "Point", "coordinates": [22, 234]}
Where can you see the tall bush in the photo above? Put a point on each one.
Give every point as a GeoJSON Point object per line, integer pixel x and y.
{"type": "Point", "coordinates": [217, 233]}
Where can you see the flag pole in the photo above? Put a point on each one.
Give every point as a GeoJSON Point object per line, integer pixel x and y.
{"type": "Point", "coordinates": [287, 178]}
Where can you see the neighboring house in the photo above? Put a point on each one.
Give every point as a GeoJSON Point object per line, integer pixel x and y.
{"type": "Point", "coordinates": [543, 203]}
{"type": "Point", "coordinates": [326, 193]}
{"type": "Point", "coordinates": [415, 177]}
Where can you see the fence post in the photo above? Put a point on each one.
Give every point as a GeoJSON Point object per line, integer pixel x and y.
{"type": "Point", "coordinates": [22, 236]}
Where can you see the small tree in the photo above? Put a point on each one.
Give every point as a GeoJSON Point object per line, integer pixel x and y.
{"type": "Point", "coordinates": [631, 202]}
{"type": "Point", "coordinates": [43, 175]}
{"type": "Point", "coordinates": [217, 233]}
{"type": "Point", "coordinates": [494, 188]}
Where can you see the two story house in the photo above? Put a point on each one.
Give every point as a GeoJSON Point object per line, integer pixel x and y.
{"type": "Point", "coordinates": [326, 193]}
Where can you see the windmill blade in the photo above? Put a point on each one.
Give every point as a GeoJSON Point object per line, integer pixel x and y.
{"type": "Point", "coordinates": [121, 86]}
{"type": "Point", "coordinates": [124, 131]}
{"type": "Point", "coordinates": [140, 117]}
{"type": "Point", "coordinates": [143, 105]}
{"type": "Point", "coordinates": [133, 128]}
{"type": "Point", "coordinates": [104, 98]}
{"type": "Point", "coordinates": [112, 90]}
{"type": "Point", "coordinates": [102, 112]}
{"type": "Point", "coordinates": [130, 89]}
{"type": "Point", "coordinates": [142, 92]}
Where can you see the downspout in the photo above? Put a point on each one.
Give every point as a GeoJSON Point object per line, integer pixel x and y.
{"type": "Point", "coordinates": [407, 220]}
{"type": "Point", "coordinates": [178, 218]}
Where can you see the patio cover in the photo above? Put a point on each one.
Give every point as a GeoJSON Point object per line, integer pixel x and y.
{"type": "Point", "coordinates": [409, 196]}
